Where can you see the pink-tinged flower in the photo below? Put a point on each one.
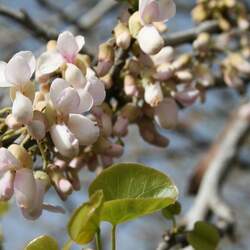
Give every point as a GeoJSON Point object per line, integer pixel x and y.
{"type": "Point", "coordinates": [35, 210]}
{"type": "Point", "coordinates": [90, 84]}
{"type": "Point", "coordinates": [7, 186]}
{"type": "Point", "coordinates": [153, 94]}
{"type": "Point", "coordinates": [156, 10]}
{"type": "Point", "coordinates": [64, 140]}
{"type": "Point", "coordinates": [166, 114]}
{"type": "Point", "coordinates": [95, 87]}
{"type": "Point", "coordinates": [25, 187]}
{"type": "Point", "coordinates": [151, 11]}
{"type": "Point", "coordinates": [67, 99]}
{"type": "Point", "coordinates": [187, 97]}
{"type": "Point", "coordinates": [68, 46]}
{"type": "Point", "coordinates": [18, 71]}
{"type": "Point", "coordinates": [8, 162]}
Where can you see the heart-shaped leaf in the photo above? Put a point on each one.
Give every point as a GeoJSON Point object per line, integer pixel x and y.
{"type": "Point", "coordinates": [85, 221]}
{"type": "Point", "coordinates": [204, 236]}
{"type": "Point", "coordinates": [132, 190]}
{"type": "Point", "coordinates": [43, 242]}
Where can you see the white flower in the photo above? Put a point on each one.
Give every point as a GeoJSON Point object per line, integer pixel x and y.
{"type": "Point", "coordinates": [151, 11]}
{"type": "Point", "coordinates": [18, 71]}
{"type": "Point", "coordinates": [68, 46]}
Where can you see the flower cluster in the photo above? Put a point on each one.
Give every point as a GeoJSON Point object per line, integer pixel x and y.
{"type": "Point", "coordinates": [73, 112]}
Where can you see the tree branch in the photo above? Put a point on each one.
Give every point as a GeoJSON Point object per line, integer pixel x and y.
{"type": "Point", "coordinates": [217, 162]}
{"type": "Point", "coordinates": [188, 36]}
{"type": "Point", "coordinates": [87, 20]}
{"type": "Point", "coordinates": [24, 19]}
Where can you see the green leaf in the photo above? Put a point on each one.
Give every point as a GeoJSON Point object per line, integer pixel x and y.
{"type": "Point", "coordinates": [172, 210]}
{"type": "Point", "coordinates": [43, 242]}
{"type": "Point", "coordinates": [204, 236]}
{"type": "Point", "coordinates": [85, 221]}
{"type": "Point", "coordinates": [132, 190]}
{"type": "Point", "coordinates": [4, 208]}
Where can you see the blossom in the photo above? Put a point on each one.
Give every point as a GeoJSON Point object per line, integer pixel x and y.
{"type": "Point", "coordinates": [153, 94]}
{"type": "Point", "coordinates": [18, 71]}
{"type": "Point", "coordinates": [67, 48]}
{"type": "Point", "coordinates": [17, 178]}
{"type": "Point", "coordinates": [151, 11]}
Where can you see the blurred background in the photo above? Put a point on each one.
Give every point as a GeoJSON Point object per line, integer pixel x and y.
{"type": "Point", "coordinates": [203, 123]}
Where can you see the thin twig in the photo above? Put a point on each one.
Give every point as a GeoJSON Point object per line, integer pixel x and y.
{"type": "Point", "coordinates": [26, 21]}
{"type": "Point", "coordinates": [188, 36]}
{"type": "Point", "coordinates": [87, 20]}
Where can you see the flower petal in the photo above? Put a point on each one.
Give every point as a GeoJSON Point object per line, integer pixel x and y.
{"type": "Point", "coordinates": [63, 139]}
{"type": "Point", "coordinates": [29, 58]}
{"type": "Point", "coordinates": [165, 55]}
{"type": "Point", "coordinates": [86, 101]}
{"type": "Point", "coordinates": [25, 188]}
{"type": "Point", "coordinates": [95, 87]}
{"type": "Point", "coordinates": [22, 108]}
{"type": "Point", "coordinates": [86, 131]}
{"type": "Point", "coordinates": [7, 161]}
{"type": "Point", "coordinates": [7, 186]}
{"type": "Point", "coordinates": [74, 76]}
{"type": "Point", "coordinates": [150, 40]}
{"type": "Point", "coordinates": [18, 71]}
{"type": "Point", "coordinates": [150, 11]}
{"type": "Point", "coordinates": [167, 10]}
{"type": "Point", "coordinates": [80, 40]}
{"type": "Point", "coordinates": [67, 46]}
{"type": "Point", "coordinates": [48, 63]}
{"type": "Point", "coordinates": [56, 88]}
{"type": "Point", "coordinates": [3, 80]}
{"type": "Point", "coordinates": [37, 129]}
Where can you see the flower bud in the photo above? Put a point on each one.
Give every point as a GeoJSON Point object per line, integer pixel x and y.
{"type": "Point", "coordinates": [181, 61]}
{"type": "Point", "coordinates": [164, 72]}
{"type": "Point", "coordinates": [105, 59]}
{"type": "Point", "coordinates": [166, 114]}
{"type": "Point", "coordinates": [231, 78]}
{"type": "Point", "coordinates": [202, 42]}
{"type": "Point", "coordinates": [12, 123]}
{"type": "Point", "coordinates": [150, 134]}
{"type": "Point", "coordinates": [41, 175]}
{"type": "Point", "coordinates": [134, 24]}
{"type": "Point", "coordinates": [165, 55]}
{"type": "Point", "coordinates": [187, 97]}
{"type": "Point", "coordinates": [153, 94]}
{"type": "Point", "coordinates": [131, 112]}
{"type": "Point", "coordinates": [130, 86]}
{"type": "Point", "coordinates": [239, 63]}
{"type": "Point", "coordinates": [21, 155]}
{"type": "Point", "coordinates": [122, 36]}
{"type": "Point", "coordinates": [120, 128]}
{"type": "Point", "coordinates": [184, 75]}
{"type": "Point", "coordinates": [64, 140]}
{"type": "Point", "coordinates": [150, 40]}
{"type": "Point", "coordinates": [203, 75]}
{"type": "Point", "coordinates": [199, 13]}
